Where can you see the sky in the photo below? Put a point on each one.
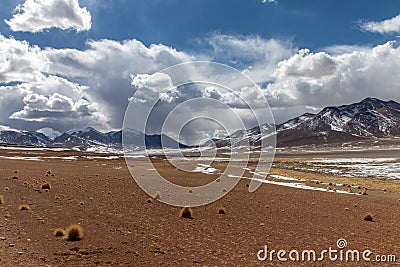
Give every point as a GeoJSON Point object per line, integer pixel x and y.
{"type": "Point", "coordinates": [75, 63]}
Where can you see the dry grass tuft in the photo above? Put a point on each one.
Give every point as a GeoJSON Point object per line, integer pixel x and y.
{"type": "Point", "coordinates": [59, 232]}
{"type": "Point", "coordinates": [45, 185]}
{"type": "Point", "coordinates": [364, 193]}
{"type": "Point", "coordinates": [221, 210]}
{"type": "Point", "coordinates": [334, 189]}
{"type": "Point", "coordinates": [368, 218]}
{"type": "Point", "coordinates": [74, 232]}
{"type": "Point", "coordinates": [349, 190]}
{"type": "Point", "coordinates": [1, 199]}
{"type": "Point", "coordinates": [328, 188]}
{"type": "Point", "coordinates": [186, 212]}
{"type": "Point", "coordinates": [24, 207]}
{"type": "Point", "coordinates": [157, 196]}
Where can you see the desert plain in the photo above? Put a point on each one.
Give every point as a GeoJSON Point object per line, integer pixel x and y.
{"type": "Point", "coordinates": [123, 226]}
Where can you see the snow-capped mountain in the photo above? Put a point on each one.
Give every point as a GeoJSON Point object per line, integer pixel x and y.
{"type": "Point", "coordinates": [88, 139]}
{"type": "Point", "coordinates": [23, 138]}
{"type": "Point", "coordinates": [49, 132]}
{"type": "Point", "coordinates": [370, 118]}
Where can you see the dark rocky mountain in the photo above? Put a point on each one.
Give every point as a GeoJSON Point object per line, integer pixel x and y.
{"type": "Point", "coordinates": [88, 138]}
{"type": "Point", "coordinates": [24, 138]}
{"type": "Point", "coordinates": [369, 119]}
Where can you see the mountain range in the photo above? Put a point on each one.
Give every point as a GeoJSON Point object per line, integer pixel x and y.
{"type": "Point", "coordinates": [87, 139]}
{"type": "Point", "coordinates": [369, 119]}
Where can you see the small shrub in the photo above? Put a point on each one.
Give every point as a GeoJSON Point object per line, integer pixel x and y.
{"type": "Point", "coordinates": [149, 200]}
{"type": "Point", "coordinates": [222, 210]}
{"type": "Point", "coordinates": [74, 232]}
{"type": "Point", "coordinates": [364, 193]}
{"type": "Point", "coordinates": [24, 207]}
{"type": "Point", "coordinates": [186, 212]}
{"type": "Point", "coordinates": [59, 232]}
{"type": "Point", "coordinates": [157, 196]}
{"type": "Point", "coordinates": [349, 190]}
{"type": "Point", "coordinates": [368, 218]}
{"type": "Point", "coordinates": [45, 185]}
{"type": "Point", "coordinates": [328, 188]}
{"type": "Point", "coordinates": [1, 199]}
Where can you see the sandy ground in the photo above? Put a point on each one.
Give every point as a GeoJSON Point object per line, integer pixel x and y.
{"type": "Point", "coordinates": [122, 229]}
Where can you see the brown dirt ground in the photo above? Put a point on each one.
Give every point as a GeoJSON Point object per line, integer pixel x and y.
{"type": "Point", "coordinates": [122, 229]}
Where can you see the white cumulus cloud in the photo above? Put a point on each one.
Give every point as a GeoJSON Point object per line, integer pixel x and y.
{"type": "Point", "coordinates": [99, 75]}
{"type": "Point", "coordinates": [320, 79]}
{"type": "Point", "coordinates": [39, 15]}
{"type": "Point", "coordinates": [20, 61]}
{"type": "Point", "coordinates": [391, 25]}
{"type": "Point", "coordinates": [257, 57]}
{"type": "Point", "coordinates": [270, 1]}
{"type": "Point", "coordinates": [92, 86]}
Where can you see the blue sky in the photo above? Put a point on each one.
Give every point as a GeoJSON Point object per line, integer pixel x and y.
{"type": "Point", "coordinates": [180, 24]}
{"type": "Point", "coordinates": [78, 59]}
